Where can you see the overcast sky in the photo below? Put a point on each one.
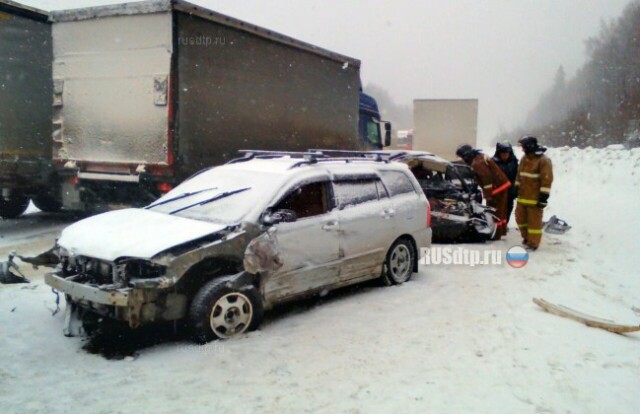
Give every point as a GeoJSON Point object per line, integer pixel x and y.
{"type": "Point", "coordinates": [503, 52]}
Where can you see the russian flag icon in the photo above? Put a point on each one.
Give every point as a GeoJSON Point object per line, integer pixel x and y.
{"type": "Point", "coordinates": [517, 257]}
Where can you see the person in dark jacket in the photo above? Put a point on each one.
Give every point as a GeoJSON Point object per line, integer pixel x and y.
{"type": "Point", "coordinates": [508, 163]}
{"type": "Point", "coordinates": [492, 181]}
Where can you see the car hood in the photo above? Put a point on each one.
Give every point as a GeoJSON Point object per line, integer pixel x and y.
{"type": "Point", "coordinates": [131, 233]}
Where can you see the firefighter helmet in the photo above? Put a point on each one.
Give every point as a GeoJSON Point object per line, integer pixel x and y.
{"type": "Point", "coordinates": [464, 151]}
{"type": "Point", "coordinates": [528, 143]}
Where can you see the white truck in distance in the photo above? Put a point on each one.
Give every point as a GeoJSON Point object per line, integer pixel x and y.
{"type": "Point", "coordinates": [441, 125]}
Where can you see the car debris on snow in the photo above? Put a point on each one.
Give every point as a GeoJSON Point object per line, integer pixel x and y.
{"type": "Point", "coordinates": [588, 320]}
{"type": "Point", "coordinates": [9, 276]}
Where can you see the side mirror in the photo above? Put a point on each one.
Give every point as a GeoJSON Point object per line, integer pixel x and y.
{"type": "Point", "coordinates": [280, 216]}
{"type": "Point", "coordinates": [387, 133]}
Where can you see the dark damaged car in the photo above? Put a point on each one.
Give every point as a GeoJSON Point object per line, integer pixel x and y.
{"type": "Point", "coordinates": [458, 214]}
{"type": "Point", "coordinates": [237, 239]}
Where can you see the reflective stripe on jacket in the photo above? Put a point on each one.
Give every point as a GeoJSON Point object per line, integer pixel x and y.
{"type": "Point", "coordinates": [535, 176]}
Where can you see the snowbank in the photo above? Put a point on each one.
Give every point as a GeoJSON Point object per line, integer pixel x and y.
{"type": "Point", "coordinates": [455, 339]}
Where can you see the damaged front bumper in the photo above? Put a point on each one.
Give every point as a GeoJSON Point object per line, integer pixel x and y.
{"type": "Point", "coordinates": [134, 305]}
{"type": "Point", "coordinates": [81, 292]}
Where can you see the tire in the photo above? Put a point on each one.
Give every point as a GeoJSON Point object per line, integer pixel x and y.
{"type": "Point", "coordinates": [398, 265]}
{"type": "Point", "coordinates": [13, 207]}
{"type": "Point", "coordinates": [47, 203]}
{"type": "Point", "coordinates": [221, 311]}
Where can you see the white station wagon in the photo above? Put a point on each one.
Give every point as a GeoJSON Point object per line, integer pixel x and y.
{"type": "Point", "coordinates": [237, 239]}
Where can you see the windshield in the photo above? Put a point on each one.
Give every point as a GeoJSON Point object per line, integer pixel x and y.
{"type": "Point", "coordinates": [219, 196]}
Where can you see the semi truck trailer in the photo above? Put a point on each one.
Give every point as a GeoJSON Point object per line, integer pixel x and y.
{"type": "Point", "coordinates": [26, 171]}
{"type": "Point", "coordinates": [145, 94]}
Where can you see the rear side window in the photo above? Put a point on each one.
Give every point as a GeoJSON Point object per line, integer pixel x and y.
{"type": "Point", "coordinates": [397, 182]}
{"type": "Point", "coordinates": [350, 193]}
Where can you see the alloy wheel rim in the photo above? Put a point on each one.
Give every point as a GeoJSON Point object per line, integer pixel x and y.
{"type": "Point", "coordinates": [231, 315]}
{"type": "Point", "coordinates": [400, 263]}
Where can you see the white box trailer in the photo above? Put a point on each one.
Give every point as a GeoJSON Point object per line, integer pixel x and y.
{"type": "Point", "coordinates": [147, 93]}
{"type": "Point", "coordinates": [441, 125]}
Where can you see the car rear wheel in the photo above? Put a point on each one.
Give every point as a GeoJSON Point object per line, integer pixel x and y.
{"type": "Point", "coordinates": [221, 311]}
{"type": "Point", "coordinates": [13, 206]}
{"type": "Point", "coordinates": [399, 262]}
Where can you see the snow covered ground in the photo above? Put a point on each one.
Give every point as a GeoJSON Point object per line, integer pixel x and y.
{"type": "Point", "coordinates": [32, 233]}
{"type": "Point", "coordinates": [455, 339]}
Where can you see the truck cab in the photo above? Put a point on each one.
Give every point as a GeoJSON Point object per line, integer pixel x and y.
{"type": "Point", "coordinates": [369, 123]}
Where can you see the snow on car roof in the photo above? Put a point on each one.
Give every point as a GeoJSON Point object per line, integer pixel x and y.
{"type": "Point", "coordinates": [271, 165]}
{"type": "Point", "coordinates": [359, 166]}
{"type": "Point", "coordinates": [272, 172]}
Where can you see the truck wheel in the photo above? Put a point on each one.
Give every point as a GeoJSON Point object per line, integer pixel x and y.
{"type": "Point", "coordinates": [47, 203]}
{"type": "Point", "coordinates": [221, 311]}
{"type": "Point", "coordinates": [14, 206]}
{"type": "Point", "coordinates": [398, 266]}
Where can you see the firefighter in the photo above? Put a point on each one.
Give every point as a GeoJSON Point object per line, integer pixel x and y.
{"type": "Point", "coordinates": [508, 163]}
{"type": "Point", "coordinates": [533, 183]}
{"type": "Point", "coordinates": [493, 182]}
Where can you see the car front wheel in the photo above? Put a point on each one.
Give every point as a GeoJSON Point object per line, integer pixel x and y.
{"type": "Point", "coordinates": [220, 311]}
{"type": "Point", "coordinates": [399, 262]}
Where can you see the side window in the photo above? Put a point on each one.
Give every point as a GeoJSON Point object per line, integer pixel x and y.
{"type": "Point", "coordinates": [353, 192]}
{"type": "Point", "coordinates": [397, 182]}
{"type": "Point", "coordinates": [307, 201]}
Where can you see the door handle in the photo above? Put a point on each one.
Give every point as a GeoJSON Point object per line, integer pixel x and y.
{"type": "Point", "coordinates": [388, 213]}
{"type": "Point", "coordinates": [330, 225]}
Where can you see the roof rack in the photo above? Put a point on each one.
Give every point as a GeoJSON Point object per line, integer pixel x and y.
{"type": "Point", "coordinates": [374, 155]}
{"type": "Point", "coordinates": [338, 159]}
{"type": "Point", "coordinates": [381, 155]}
{"type": "Point", "coordinates": [397, 155]}
{"type": "Point", "coordinates": [310, 157]}
{"type": "Point", "coordinates": [313, 156]}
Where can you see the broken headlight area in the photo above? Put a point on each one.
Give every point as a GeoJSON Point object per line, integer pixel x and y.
{"type": "Point", "coordinates": [457, 221]}
{"type": "Point", "coordinates": [99, 272]}
{"type": "Point", "coordinates": [139, 269]}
